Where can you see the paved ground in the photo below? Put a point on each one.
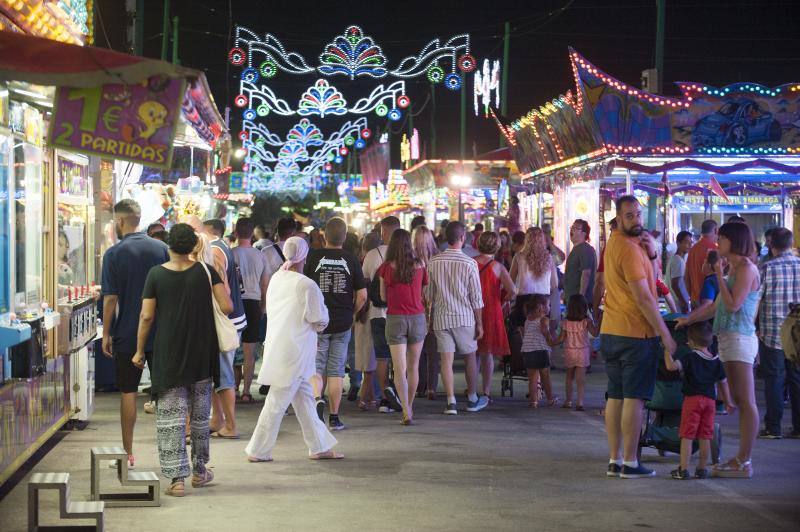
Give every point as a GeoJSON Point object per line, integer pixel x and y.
{"type": "Point", "coordinates": [507, 468]}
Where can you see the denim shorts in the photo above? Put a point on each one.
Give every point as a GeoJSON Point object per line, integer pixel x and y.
{"type": "Point", "coordinates": [406, 328]}
{"type": "Point", "coordinates": [332, 353]}
{"type": "Point", "coordinates": [631, 365]}
{"type": "Point", "coordinates": [227, 379]}
{"type": "Point", "coordinates": [379, 342]}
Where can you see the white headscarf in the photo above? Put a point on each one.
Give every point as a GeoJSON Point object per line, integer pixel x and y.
{"type": "Point", "coordinates": [295, 249]}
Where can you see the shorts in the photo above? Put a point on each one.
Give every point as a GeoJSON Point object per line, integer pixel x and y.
{"type": "Point", "coordinates": [737, 347]}
{"type": "Point", "coordinates": [332, 353]}
{"type": "Point", "coordinates": [536, 359]}
{"type": "Point", "coordinates": [252, 333]}
{"type": "Point", "coordinates": [128, 375]}
{"type": "Point", "coordinates": [227, 379]}
{"type": "Point", "coordinates": [458, 340]}
{"type": "Point", "coordinates": [404, 329]}
{"type": "Point", "coordinates": [697, 418]}
{"type": "Point", "coordinates": [631, 365]}
{"type": "Point", "coordinates": [379, 342]}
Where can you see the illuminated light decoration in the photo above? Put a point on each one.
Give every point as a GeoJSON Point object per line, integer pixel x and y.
{"type": "Point", "coordinates": [360, 144]}
{"type": "Point", "coordinates": [331, 156]}
{"type": "Point", "coordinates": [379, 96]}
{"type": "Point", "coordinates": [452, 82]}
{"type": "Point", "coordinates": [262, 110]}
{"type": "Point", "coordinates": [403, 101]}
{"type": "Point", "coordinates": [338, 159]}
{"type": "Point", "coordinates": [395, 115]}
{"type": "Point", "coordinates": [328, 167]}
{"type": "Point", "coordinates": [240, 100]}
{"type": "Point", "coordinates": [366, 133]}
{"type": "Point", "coordinates": [249, 114]}
{"type": "Point", "coordinates": [272, 49]}
{"type": "Point", "coordinates": [486, 81]}
{"type": "Point", "coordinates": [343, 150]}
{"type": "Point", "coordinates": [435, 74]}
{"type": "Point", "coordinates": [306, 133]}
{"type": "Point", "coordinates": [467, 63]}
{"type": "Point", "coordinates": [237, 56]}
{"type": "Point", "coordinates": [293, 150]}
{"type": "Point", "coordinates": [322, 99]}
{"type": "Point", "coordinates": [268, 69]}
{"type": "Point", "coordinates": [381, 110]}
{"type": "Point", "coordinates": [243, 135]}
{"type": "Point", "coordinates": [353, 54]}
{"type": "Point", "coordinates": [349, 140]}
{"type": "Point", "coordinates": [250, 75]}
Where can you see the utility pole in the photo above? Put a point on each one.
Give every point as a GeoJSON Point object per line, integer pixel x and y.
{"type": "Point", "coordinates": [463, 116]}
{"type": "Point", "coordinates": [165, 32]}
{"type": "Point", "coordinates": [138, 42]}
{"type": "Point", "coordinates": [660, 16]}
{"type": "Point", "coordinates": [175, 60]}
{"type": "Point", "coordinates": [504, 77]}
{"type": "Point", "coordinates": [433, 121]}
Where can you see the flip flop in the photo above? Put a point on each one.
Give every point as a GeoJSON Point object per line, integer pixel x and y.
{"type": "Point", "coordinates": [218, 434]}
{"type": "Point", "coordinates": [254, 460]}
{"type": "Point", "coordinates": [327, 455]}
{"type": "Point", "coordinates": [247, 401]}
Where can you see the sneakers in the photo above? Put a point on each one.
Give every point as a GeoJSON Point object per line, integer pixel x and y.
{"type": "Point", "coordinates": [321, 409]}
{"type": "Point", "coordinates": [636, 472]}
{"type": "Point", "coordinates": [150, 407]}
{"type": "Point", "coordinates": [701, 474]}
{"type": "Point", "coordinates": [263, 390]}
{"type": "Point", "coordinates": [613, 470]}
{"type": "Point", "coordinates": [767, 435]}
{"type": "Point", "coordinates": [386, 408]}
{"type": "Point", "coordinates": [681, 474]}
{"type": "Point", "coordinates": [394, 402]}
{"type": "Point", "coordinates": [477, 406]}
{"type": "Point", "coordinates": [334, 423]}
{"type": "Point", "coordinates": [450, 410]}
{"type": "Point", "coordinates": [352, 394]}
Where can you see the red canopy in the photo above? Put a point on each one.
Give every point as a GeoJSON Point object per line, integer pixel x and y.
{"type": "Point", "coordinates": [46, 62]}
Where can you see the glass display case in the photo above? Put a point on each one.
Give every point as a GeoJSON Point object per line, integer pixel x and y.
{"type": "Point", "coordinates": [74, 260]}
{"type": "Point", "coordinates": [5, 223]}
{"type": "Point", "coordinates": [29, 221]}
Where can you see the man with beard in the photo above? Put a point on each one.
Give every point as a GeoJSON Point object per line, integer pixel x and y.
{"type": "Point", "coordinates": [629, 337]}
{"type": "Point", "coordinates": [125, 268]}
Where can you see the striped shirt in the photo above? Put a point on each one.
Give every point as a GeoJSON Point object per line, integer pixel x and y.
{"type": "Point", "coordinates": [454, 289]}
{"type": "Point", "coordinates": [780, 285]}
{"type": "Point", "coordinates": [532, 337]}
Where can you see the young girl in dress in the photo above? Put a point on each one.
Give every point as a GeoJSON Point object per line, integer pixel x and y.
{"type": "Point", "coordinates": [536, 343]}
{"type": "Point", "coordinates": [575, 335]}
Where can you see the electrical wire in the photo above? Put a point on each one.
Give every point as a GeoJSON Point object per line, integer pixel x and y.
{"type": "Point", "coordinates": [102, 25]}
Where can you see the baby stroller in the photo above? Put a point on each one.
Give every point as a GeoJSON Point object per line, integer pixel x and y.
{"type": "Point", "coordinates": [663, 420]}
{"type": "Point", "coordinates": [513, 367]}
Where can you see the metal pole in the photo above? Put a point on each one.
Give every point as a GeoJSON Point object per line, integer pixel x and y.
{"type": "Point", "coordinates": [175, 60]}
{"type": "Point", "coordinates": [138, 43]}
{"type": "Point", "coordinates": [463, 116]}
{"type": "Point", "coordinates": [433, 121]}
{"type": "Point", "coordinates": [460, 206]}
{"type": "Point", "coordinates": [165, 31]}
{"type": "Point", "coordinates": [504, 77]}
{"type": "Point", "coordinates": [660, 16]}
{"type": "Point", "coordinates": [410, 120]}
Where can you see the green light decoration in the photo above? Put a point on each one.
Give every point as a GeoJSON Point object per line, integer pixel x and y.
{"type": "Point", "coordinates": [262, 110]}
{"type": "Point", "coordinates": [381, 110]}
{"type": "Point", "coordinates": [268, 69]}
{"type": "Point", "coordinates": [435, 74]}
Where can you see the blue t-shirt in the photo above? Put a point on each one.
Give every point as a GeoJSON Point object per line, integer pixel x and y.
{"type": "Point", "coordinates": [125, 268]}
{"type": "Point", "coordinates": [710, 288]}
{"type": "Point", "coordinates": [700, 374]}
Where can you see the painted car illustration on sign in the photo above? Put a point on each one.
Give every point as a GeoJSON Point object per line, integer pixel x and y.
{"type": "Point", "coordinates": [738, 123]}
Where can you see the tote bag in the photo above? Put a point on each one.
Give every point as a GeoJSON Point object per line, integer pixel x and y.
{"type": "Point", "coordinates": [227, 335]}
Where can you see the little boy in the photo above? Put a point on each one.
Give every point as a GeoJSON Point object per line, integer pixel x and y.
{"type": "Point", "coordinates": [701, 371]}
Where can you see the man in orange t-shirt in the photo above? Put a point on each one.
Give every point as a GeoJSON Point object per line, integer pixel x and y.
{"type": "Point", "coordinates": [629, 336]}
{"type": "Point", "coordinates": [697, 256]}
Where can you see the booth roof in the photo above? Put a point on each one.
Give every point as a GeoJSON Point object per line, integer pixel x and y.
{"type": "Point", "coordinates": [483, 173]}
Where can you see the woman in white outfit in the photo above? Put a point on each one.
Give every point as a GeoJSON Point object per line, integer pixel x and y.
{"type": "Point", "coordinates": [296, 311]}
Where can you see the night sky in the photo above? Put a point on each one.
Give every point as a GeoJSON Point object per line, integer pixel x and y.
{"type": "Point", "coordinates": [717, 42]}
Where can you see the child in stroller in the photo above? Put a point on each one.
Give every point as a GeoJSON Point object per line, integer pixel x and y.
{"type": "Point", "coordinates": [663, 419]}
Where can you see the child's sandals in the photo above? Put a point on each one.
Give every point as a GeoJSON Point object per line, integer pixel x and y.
{"type": "Point", "coordinates": [567, 404]}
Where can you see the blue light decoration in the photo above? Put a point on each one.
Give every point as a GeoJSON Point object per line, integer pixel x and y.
{"type": "Point", "coordinates": [353, 54]}
{"type": "Point", "coordinates": [338, 159]}
{"type": "Point", "coordinates": [249, 114]}
{"type": "Point", "coordinates": [360, 144]}
{"type": "Point", "coordinates": [452, 82]}
{"type": "Point", "coordinates": [306, 133]}
{"type": "Point", "coordinates": [250, 75]}
{"type": "Point", "coordinates": [322, 99]}
{"type": "Point", "coordinates": [395, 114]}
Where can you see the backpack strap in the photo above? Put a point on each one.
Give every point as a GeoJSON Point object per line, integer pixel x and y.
{"type": "Point", "coordinates": [277, 248]}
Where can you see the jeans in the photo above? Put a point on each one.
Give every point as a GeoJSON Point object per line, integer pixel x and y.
{"type": "Point", "coordinates": [777, 371]}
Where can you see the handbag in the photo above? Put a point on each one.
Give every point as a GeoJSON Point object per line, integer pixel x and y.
{"type": "Point", "coordinates": [227, 335]}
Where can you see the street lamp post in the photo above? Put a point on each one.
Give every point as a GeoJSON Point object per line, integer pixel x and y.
{"type": "Point", "coordinates": [460, 182]}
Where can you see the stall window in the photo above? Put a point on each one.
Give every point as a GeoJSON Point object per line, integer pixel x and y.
{"type": "Point", "coordinates": [74, 219]}
{"type": "Point", "coordinates": [28, 211]}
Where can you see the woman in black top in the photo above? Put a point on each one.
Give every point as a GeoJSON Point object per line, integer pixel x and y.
{"type": "Point", "coordinates": [177, 300]}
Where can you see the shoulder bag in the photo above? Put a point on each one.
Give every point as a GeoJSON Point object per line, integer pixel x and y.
{"type": "Point", "coordinates": [227, 335]}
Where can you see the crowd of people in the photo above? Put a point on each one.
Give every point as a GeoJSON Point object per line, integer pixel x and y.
{"type": "Point", "coordinates": [391, 311]}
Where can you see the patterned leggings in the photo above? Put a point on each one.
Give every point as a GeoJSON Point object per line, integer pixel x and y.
{"type": "Point", "coordinates": [172, 407]}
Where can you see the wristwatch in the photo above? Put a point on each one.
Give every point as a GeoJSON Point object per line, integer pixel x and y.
{"type": "Point", "coordinates": [654, 257]}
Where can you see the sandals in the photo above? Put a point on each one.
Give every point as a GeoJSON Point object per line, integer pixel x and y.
{"type": "Point", "coordinates": [552, 402]}
{"type": "Point", "coordinates": [247, 401]}
{"type": "Point", "coordinates": [533, 404]}
{"type": "Point", "coordinates": [567, 404]}
{"type": "Point", "coordinates": [367, 405]}
{"type": "Point", "coordinates": [176, 489]}
{"type": "Point", "coordinates": [734, 468]}
{"type": "Point", "coordinates": [198, 481]}
{"type": "Point", "coordinates": [407, 421]}
{"type": "Point", "coordinates": [327, 455]}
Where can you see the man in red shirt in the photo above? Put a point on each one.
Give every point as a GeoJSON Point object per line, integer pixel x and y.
{"type": "Point", "coordinates": [697, 256]}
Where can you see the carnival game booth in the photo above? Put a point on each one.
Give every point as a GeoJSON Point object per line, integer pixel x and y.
{"type": "Point", "coordinates": [68, 115]}
{"type": "Point", "coordinates": [712, 152]}
{"type": "Point", "coordinates": [390, 199]}
{"type": "Point", "coordinates": [436, 185]}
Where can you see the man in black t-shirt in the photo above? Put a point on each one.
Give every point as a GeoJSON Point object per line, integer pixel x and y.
{"type": "Point", "coordinates": [338, 274]}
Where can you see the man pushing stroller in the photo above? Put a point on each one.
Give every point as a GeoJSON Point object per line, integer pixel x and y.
{"type": "Point", "coordinates": [700, 371]}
